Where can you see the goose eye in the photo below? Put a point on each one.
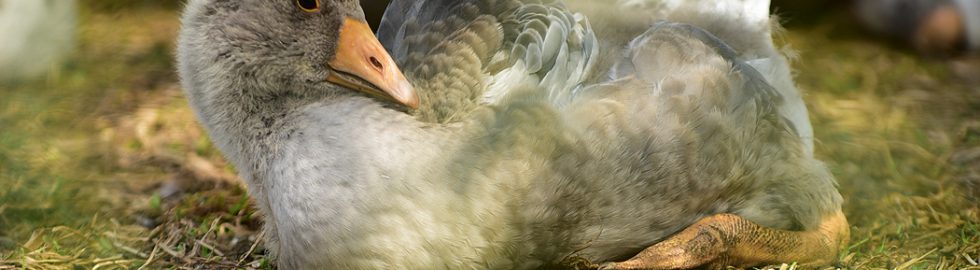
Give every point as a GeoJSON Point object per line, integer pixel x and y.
{"type": "Point", "coordinates": [309, 5]}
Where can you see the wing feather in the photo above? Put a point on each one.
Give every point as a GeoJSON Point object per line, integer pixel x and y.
{"type": "Point", "coordinates": [491, 47]}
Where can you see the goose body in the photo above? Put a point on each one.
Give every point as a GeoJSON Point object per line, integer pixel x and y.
{"type": "Point", "coordinates": [539, 135]}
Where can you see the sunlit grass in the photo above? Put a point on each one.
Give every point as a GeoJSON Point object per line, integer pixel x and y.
{"type": "Point", "coordinates": [887, 122]}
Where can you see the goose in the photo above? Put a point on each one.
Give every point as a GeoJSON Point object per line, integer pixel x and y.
{"type": "Point", "coordinates": [518, 136]}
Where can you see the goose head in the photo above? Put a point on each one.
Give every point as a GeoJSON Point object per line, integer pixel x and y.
{"type": "Point", "coordinates": [244, 64]}
{"type": "Point", "coordinates": [264, 49]}
{"type": "Point", "coordinates": [252, 69]}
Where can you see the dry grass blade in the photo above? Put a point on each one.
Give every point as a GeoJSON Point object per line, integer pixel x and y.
{"type": "Point", "coordinates": [251, 248]}
{"type": "Point", "coordinates": [969, 259]}
{"type": "Point", "coordinates": [911, 262]}
{"type": "Point", "coordinates": [150, 259]}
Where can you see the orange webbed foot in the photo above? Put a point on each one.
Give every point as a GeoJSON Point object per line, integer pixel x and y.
{"type": "Point", "coordinates": [729, 240]}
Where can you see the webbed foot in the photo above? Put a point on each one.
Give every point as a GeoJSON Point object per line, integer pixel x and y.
{"type": "Point", "coordinates": [729, 240]}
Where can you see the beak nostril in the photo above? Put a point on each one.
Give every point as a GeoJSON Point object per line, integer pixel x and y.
{"type": "Point", "coordinates": [377, 64]}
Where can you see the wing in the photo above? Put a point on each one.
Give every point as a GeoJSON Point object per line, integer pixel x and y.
{"type": "Point", "coordinates": [744, 25]}
{"type": "Point", "coordinates": [465, 53]}
{"type": "Point", "coordinates": [682, 71]}
{"type": "Point", "coordinates": [685, 95]}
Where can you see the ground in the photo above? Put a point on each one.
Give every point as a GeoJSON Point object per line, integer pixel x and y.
{"type": "Point", "coordinates": [102, 165]}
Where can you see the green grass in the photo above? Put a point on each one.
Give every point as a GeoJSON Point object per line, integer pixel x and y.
{"type": "Point", "coordinates": [887, 123]}
{"type": "Point", "coordinates": [86, 150]}
{"type": "Point", "coordinates": [83, 150]}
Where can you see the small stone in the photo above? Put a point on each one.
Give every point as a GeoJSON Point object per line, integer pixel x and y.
{"type": "Point", "coordinates": [146, 222]}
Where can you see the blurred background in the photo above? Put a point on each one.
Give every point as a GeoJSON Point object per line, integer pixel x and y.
{"type": "Point", "coordinates": [102, 164]}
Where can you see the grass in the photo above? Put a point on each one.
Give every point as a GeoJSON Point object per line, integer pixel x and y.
{"type": "Point", "coordinates": [103, 166]}
{"type": "Point", "coordinates": [888, 122]}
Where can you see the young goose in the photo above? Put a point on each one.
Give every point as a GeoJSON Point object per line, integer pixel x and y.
{"type": "Point", "coordinates": [672, 148]}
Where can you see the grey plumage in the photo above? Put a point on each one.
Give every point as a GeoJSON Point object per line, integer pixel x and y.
{"type": "Point", "coordinates": [536, 138]}
{"type": "Point", "coordinates": [472, 53]}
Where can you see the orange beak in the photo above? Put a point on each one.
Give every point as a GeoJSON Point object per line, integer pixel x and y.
{"type": "Point", "coordinates": [362, 64]}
